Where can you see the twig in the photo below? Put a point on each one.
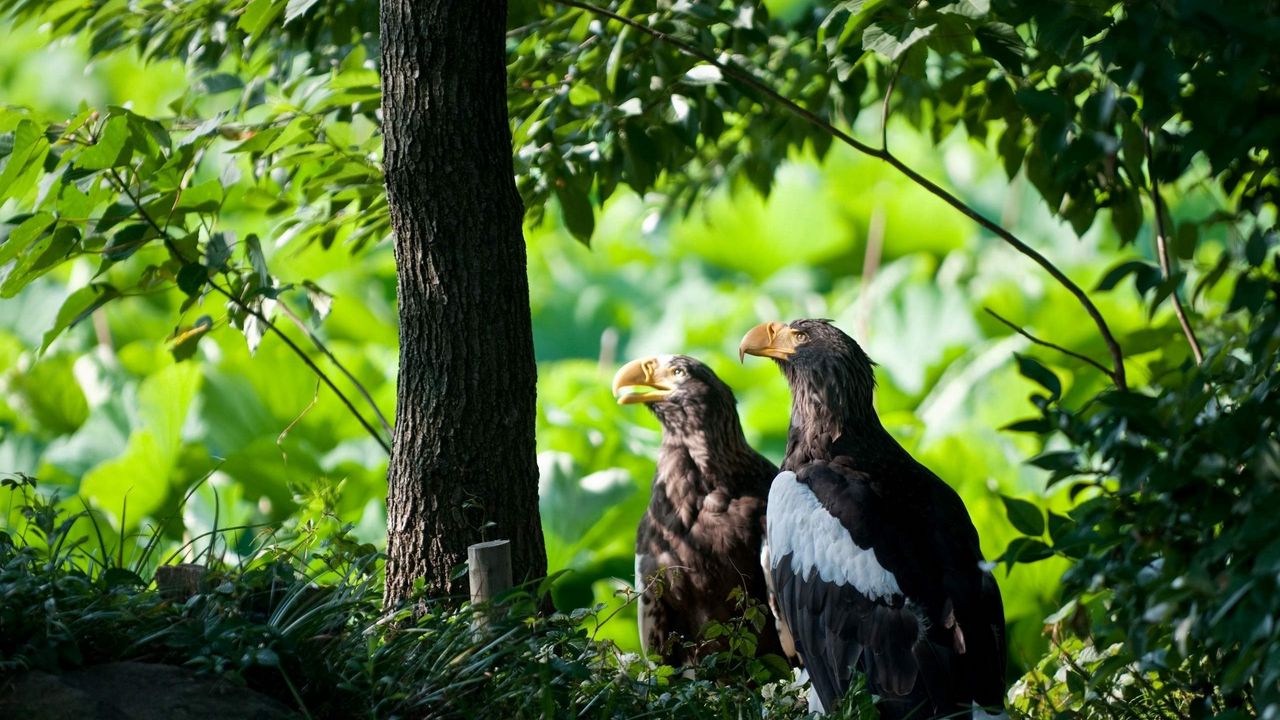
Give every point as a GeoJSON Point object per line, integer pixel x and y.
{"type": "Point", "coordinates": [297, 321]}
{"type": "Point", "coordinates": [1117, 373]}
{"type": "Point", "coordinates": [888, 94]}
{"type": "Point", "coordinates": [1046, 343]}
{"type": "Point", "coordinates": [168, 241]}
{"type": "Point", "coordinates": [1162, 251]}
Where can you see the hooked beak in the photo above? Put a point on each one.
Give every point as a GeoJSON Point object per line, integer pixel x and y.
{"type": "Point", "coordinates": [771, 340]}
{"type": "Point", "coordinates": [641, 381]}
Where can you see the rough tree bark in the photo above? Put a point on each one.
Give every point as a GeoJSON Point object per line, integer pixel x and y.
{"type": "Point", "coordinates": [463, 453]}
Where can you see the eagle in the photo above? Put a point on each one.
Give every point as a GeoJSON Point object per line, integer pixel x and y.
{"type": "Point", "coordinates": [874, 559]}
{"type": "Point", "coordinates": [701, 536]}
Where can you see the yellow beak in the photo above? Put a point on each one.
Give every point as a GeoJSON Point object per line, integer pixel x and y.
{"type": "Point", "coordinates": [641, 381]}
{"type": "Point", "coordinates": [771, 339]}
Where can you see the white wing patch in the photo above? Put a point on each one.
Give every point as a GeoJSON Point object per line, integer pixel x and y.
{"type": "Point", "coordinates": [799, 526]}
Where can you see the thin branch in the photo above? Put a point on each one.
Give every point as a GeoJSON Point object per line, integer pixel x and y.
{"type": "Point", "coordinates": [888, 94]}
{"type": "Point", "coordinates": [168, 241]}
{"type": "Point", "coordinates": [297, 321]}
{"type": "Point", "coordinates": [1162, 251]}
{"type": "Point", "coordinates": [1046, 343]}
{"type": "Point", "coordinates": [1117, 373]}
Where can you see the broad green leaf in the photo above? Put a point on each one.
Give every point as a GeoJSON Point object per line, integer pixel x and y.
{"type": "Point", "coordinates": [891, 39]}
{"type": "Point", "coordinates": [258, 261]}
{"type": "Point", "coordinates": [297, 8]}
{"type": "Point", "coordinates": [1121, 271]}
{"type": "Point", "coordinates": [259, 14]}
{"type": "Point", "coordinates": [192, 277]}
{"type": "Point", "coordinates": [1036, 372]}
{"type": "Point", "coordinates": [137, 479]}
{"type": "Point", "coordinates": [203, 198]}
{"type": "Point", "coordinates": [22, 237]}
{"type": "Point", "coordinates": [1025, 550]}
{"type": "Point", "coordinates": [1126, 216]}
{"type": "Point", "coordinates": [78, 306]}
{"type": "Point", "coordinates": [52, 395]}
{"type": "Point", "coordinates": [25, 162]}
{"type": "Point", "coordinates": [1025, 517]}
{"type": "Point", "coordinates": [579, 216]}
{"type": "Point", "coordinates": [112, 149]}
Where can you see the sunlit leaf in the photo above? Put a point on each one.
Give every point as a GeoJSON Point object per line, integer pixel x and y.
{"type": "Point", "coordinates": [80, 305]}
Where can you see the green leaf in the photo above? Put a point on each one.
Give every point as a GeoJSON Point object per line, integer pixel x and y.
{"type": "Point", "coordinates": [192, 277]}
{"type": "Point", "coordinates": [112, 149]}
{"type": "Point", "coordinates": [1123, 270]}
{"type": "Point", "coordinates": [184, 343]}
{"type": "Point", "coordinates": [1185, 239]}
{"type": "Point", "coordinates": [1126, 216]}
{"type": "Point", "coordinates": [1001, 43]}
{"type": "Point", "coordinates": [1055, 460]}
{"type": "Point", "coordinates": [579, 216]}
{"type": "Point", "coordinates": [1059, 526]}
{"type": "Point", "coordinates": [203, 198]}
{"type": "Point", "coordinates": [51, 395]}
{"type": "Point", "coordinates": [118, 577]}
{"type": "Point", "coordinates": [891, 39]}
{"type": "Point", "coordinates": [23, 236]}
{"type": "Point", "coordinates": [78, 306]}
{"type": "Point", "coordinates": [1255, 248]}
{"type": "Point", "coordinates": [1025, 516]}
{"type": "Point", "coordinates": [296, 9]}
{"type": "Point", "coordinates": [1025, 550]}
{"type": "Point", "coordinates": [1249, 294]}
{"type": "Point", "coordinates": [258, 15]}
{"type": "Point", "coordinates": [1036, 372]}
{"type": "Point", "coordinates": [1037, 426]}
{"type": "Point", "coordinates": [25, 161]}
{"type": "Point", "coordinates": [258, 261]}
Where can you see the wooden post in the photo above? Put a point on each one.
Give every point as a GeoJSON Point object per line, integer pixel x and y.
{"type": "Point", "coordinates": [489, 569]}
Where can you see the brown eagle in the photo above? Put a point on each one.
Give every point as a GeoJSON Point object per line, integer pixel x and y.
{"type": "Point", "coordinates": [701, 536]}
{"type": "Point", "coordinates": [875, 561]}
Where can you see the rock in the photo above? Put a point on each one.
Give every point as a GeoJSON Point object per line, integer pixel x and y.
{"type": "Point", "coordinates": [133, 691]}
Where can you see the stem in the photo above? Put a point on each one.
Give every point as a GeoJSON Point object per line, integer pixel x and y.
{"type": "Point", "coordinates": [1162, 251]}
{"type": "Point", "coordinates": [1116, 373]}
{"type": "Point", "coordinates": [1046, 343]}
{"type": "Point", "coordinates": [298, 322]}
{"type": "Point", "coordinates": [168, 241]}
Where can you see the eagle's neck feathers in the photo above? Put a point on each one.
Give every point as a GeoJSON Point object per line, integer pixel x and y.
{"type": "Point", "coordinates": [830, 403]}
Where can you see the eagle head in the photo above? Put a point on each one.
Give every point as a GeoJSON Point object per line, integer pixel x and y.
{"type": "Point", "coordinates": [677, 388]}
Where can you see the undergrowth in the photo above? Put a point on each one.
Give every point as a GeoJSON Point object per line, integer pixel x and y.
{"type": "Point", "coordinates": [301, 620]}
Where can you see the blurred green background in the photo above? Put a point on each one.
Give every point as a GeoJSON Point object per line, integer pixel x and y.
{"type": "Point", "coordinates": [232, 439]}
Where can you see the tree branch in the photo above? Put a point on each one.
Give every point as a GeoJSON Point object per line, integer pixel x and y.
{"type": "Point", "coordinates": [168, 241]}
{"type": "Point", "coordinates": [298, 323]}
{"type": "Point", "coordinates": [1162, 251]}
{"type": "Point", "coordinates": [1116, 373]}
{"type": "Point", "coordinates": [1046, 343]}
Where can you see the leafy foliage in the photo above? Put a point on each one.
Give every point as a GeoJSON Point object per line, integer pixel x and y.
{"type": "Point", "coordinates": [1172, 591]}
{"type": "Point", "coordinates": [302, 620]}
{"type": "Point", "coordinates": [251, 141]}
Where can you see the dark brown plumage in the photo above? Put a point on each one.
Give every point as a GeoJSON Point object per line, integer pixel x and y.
{"type": "Point", "coordinates": [875, 560]}
{"type": "Point", "coordinates": [701, 536]}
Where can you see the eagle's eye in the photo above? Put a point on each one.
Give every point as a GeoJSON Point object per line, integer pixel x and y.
{"type": "Point", "coordinates": [678, 372]}
{"type": "Point", "coordinates": [800, 337]}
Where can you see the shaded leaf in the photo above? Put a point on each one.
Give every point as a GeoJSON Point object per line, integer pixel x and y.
{"type": "Point", "coordinates": [1025, 517]}
{"type": "Point", "coordinates": [79, 306]}
{"type": "Point", "coordinates": [1036, 372]}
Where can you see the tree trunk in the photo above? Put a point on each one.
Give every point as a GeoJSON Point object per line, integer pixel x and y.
{"type": "Point", "coordinates": [463, 467]}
